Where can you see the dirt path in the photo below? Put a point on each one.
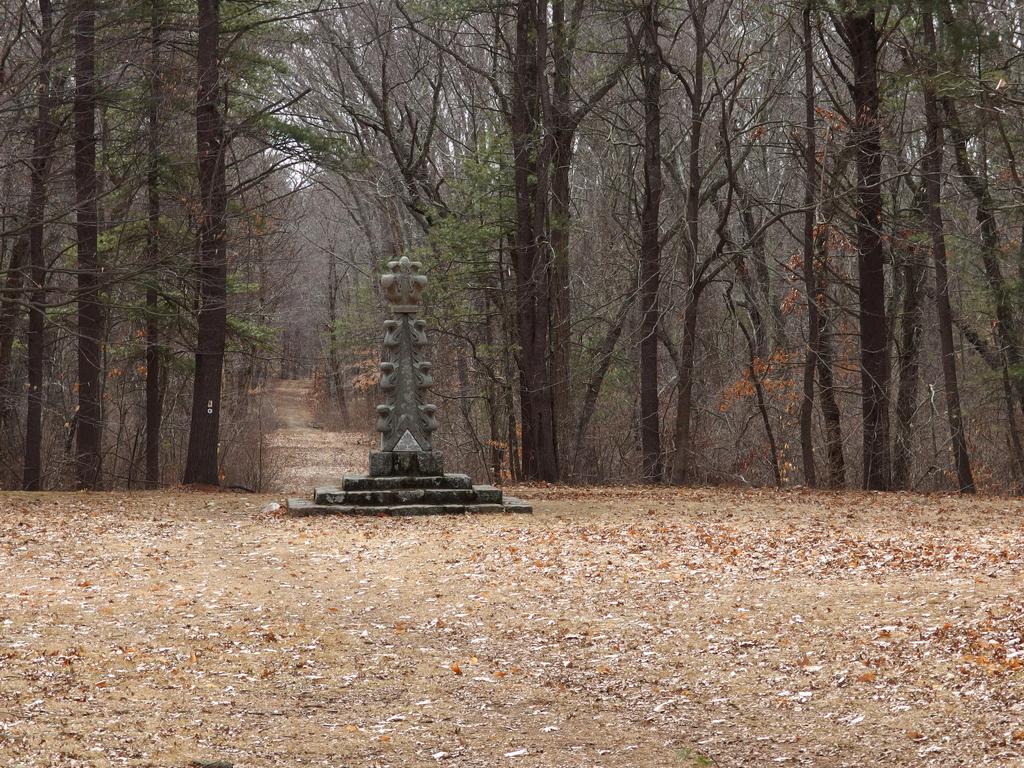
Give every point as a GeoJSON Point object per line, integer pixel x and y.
{"type": "Point", "coordinates": [304, 453]}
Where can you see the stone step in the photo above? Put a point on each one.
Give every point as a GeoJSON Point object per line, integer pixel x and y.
{"type": "Point", "coordinates": [370, 483]}
{"type": "Point", "coordinates": [393, 496]}
{"type": "Point", "coordinates": [304, 507]}
{"type": "Point", "coordinates": [487, 494]}
{"type": "Point", "coordinates": [481, 494]}
{"type": "Point", "coordinates": [512, 504]}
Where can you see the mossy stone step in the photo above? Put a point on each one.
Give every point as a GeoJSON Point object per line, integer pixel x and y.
{"type": "Point", "coordinates": [370, 483]}
{"type": "Point", "coordinates": [305, 507]}
{"type": "Point", "coordinates": [480, 494]}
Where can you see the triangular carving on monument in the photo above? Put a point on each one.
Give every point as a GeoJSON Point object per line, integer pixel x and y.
{"type": "Point", "coordinates": [407, 443]}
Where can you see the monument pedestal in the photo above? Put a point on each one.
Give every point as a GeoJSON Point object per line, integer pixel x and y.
{"type": "Point", "coordinates": [407, 495]}
{"type": "Point", "coordinates": [405, 464]}
{"type": "Point", "coordinates": [406, 475]}
{"type": "Point", "coordinates": [402, 483]}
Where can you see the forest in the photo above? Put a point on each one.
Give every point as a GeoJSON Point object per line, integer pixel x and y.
{"type": "Point", "coordinates": [693, 331]}
{"type": "Point", "coordinates": [705, 242]}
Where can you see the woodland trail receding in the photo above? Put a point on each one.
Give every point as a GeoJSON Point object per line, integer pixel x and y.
{"type": "Point", "coordinates": [305, 452]}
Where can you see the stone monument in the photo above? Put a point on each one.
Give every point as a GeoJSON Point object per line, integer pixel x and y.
{"type": "Point", "coordinates": [406, 475]}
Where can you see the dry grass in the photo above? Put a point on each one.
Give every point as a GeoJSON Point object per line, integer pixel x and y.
{"type": "Point", "coordinates": [615, 627]}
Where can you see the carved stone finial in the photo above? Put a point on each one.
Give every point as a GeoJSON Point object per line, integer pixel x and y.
{"type": "Point", "coordinates": [403, 286]}
{"type": "Point", "coordinates": [406, 422]}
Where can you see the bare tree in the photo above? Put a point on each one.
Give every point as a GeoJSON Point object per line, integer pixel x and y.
{"type": "Point", "coordinates": [860, 33]}
{"type": "Point", "coordinates": [211, 255]}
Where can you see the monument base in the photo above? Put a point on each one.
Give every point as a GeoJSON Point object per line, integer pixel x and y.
{"type": "Point", "coordinates": [405, 463]}
{"type": "Point", "coordinates": [404, 495]}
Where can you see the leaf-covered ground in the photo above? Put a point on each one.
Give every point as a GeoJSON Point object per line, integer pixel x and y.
{"type": "Point", "coordinates": [614, 627]}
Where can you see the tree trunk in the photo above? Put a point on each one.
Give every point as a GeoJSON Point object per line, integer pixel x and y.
{"type": "Point", "coordinates": [933, 188]}
{"type": "Point", "coordinates": [154, 400]}
{"type": "Point", "coordinates": [650, 249]}
{"type": "Point", "coordinates": [563, 131]}
{"type": "Point", "coordinates": [762, 404]}
{"type": "Point", "coordinates": [509, 331]}
{"type": "Point", "coordinates": [769, 324]}
{"type": "Point", "coordinates": [811, 359]}
{"type": "Point", "coordinates": [211, 256]}
{"type": "Point", "coordinates": [540, 455]}
{"type": "Point", "coordinates": [825, 353]}
{"type": "Point", "coordinates": [826, 369]}
{"type": "Point", "coordinates": [908, 365]}
{"type": "Point", "coordinates": [10, 309]}
{"type": "Point", "coordinates": [335, 377]}
{"type": "Point", "coordinates": [682, 460]}
{"type": "Point", "coordinates": [603, 359]}
{"type": "Point", "coordinates": [976, 179]}
{"type": "Point", "coordinates": [42, 150]}
{"type": "Point", "coordinates": [491, 311]}
{"type": "Point", "coordinates": [861, 36]}
{"type": "Point", "coordinates": [89, 436]}
{"type": "Point", "coordinates": [752, 298]}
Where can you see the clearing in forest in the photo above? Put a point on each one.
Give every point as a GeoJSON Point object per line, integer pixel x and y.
{"type": "Point", "coordinates": [614, 627]}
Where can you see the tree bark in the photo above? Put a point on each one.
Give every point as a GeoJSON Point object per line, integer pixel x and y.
{"type": "Point", "coordinates": [563, 130]}
{"type": "Point", "coordinates": [531, 161]}
{"type": "Point", "coordinates": [861, 35]}
{"type": "Point", "coordinates": [603, 359]}
{"type": "Point", "coordinates": [89, 435]}
{"type": "Point", "coordinates": [211, 256]}
{"type": "Point", "coordinates": [650, 249]}
{"type": "Point", "coordinates": [10, 310]}
{"type": "Point", "coordinates": [976, 179]}
{"type": "Point", "coordinates": [830, 413]}
{"type": "Point", "coordinates": [811, 359]}
{"type": "Point", "coordinates": [42, 151]}
{"type": "Point", "coordinates": [154, 399]}
{"type": "Point", "coordinates": [933, 188]}
{"type": "Point", "coordinates": [769, 324]}
{"type": "Point", "coordinates": [491, 313]}
{"type": "Point", "coordinates": [509, 332]}
{"type": "Point", "coordinates": [1005, 328]}
{"type": "Point", "coordinates": [335, 377]}
{"type": "Point", "coordinates": [908, 365]}
{"type": "Point", "coordinates": [762, 403]}
{"type": "Point", "coordinates": [682, 459]}
{"type": "Point", "coordinates": [977, 182]}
